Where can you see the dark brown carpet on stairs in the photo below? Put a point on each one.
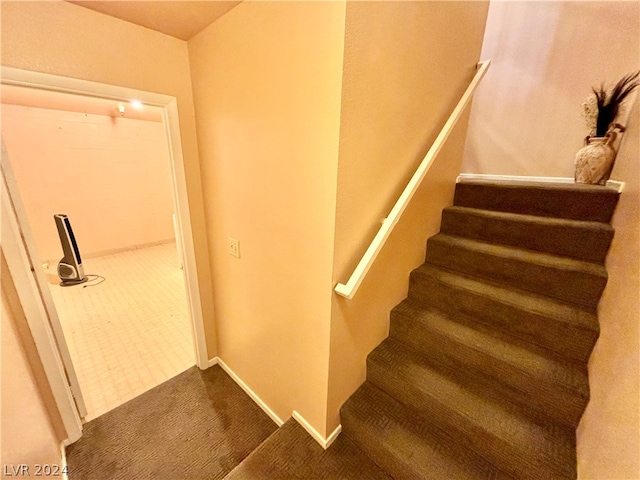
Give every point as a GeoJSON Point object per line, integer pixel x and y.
{"type": "Point", "coordinates": [484, 373]}
{"type": "Point", "coordinates": [290, 453]}
{"type": "Point", "coordinates": [198, 425]}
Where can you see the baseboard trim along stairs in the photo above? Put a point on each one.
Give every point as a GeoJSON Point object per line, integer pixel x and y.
{"type": "Point", "coordinates": [253, 395]}
{"type": "Point", "coordinates": [317, 436]}
{"type": "Point", "coordinates": [518, 179]}
{"type": "Point", "coordinates": [484, 373]}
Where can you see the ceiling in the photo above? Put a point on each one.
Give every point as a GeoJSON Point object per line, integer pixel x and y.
{"type": "Point", "coordinates": [180, 19]}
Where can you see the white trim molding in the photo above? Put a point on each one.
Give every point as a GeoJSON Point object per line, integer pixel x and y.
{"type": "Point", "coordinates": [39, 315]}
{"type": "Point", "coordinates": [254, 396]}
{"type": "Point", "coordinates": [22, 272]}
{"type": "Point", "coordinates": [464, 177]}
{"type": "Point", "coordinates": [324, 442]}
{"type": "Point", "coordinates": [169, 104]}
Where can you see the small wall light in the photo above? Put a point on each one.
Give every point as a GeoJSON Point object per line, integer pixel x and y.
{"type": "Point", "coordinates": [137, 104]}
{"type": "Point", "coordinates": [121, 109]}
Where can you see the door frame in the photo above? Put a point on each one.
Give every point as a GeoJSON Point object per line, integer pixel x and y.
{"type": "Point", "coordinates": [21, 268]}
{"type": "Point", "coordinates": [169, 106]}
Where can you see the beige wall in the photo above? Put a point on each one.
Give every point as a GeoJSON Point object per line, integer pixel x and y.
{"type": "Point", "coordinates": [526, 120]}
{"type": "Point", "coordinates": [111, 176]}
{"type": "Point", "coordinates": [546, 56]}
{"type": "Point", "coordinates": [406, 65]}
{"type": "Point", "coordinates": [64, 39]}
{"type": "Point", "coordinates": [28, 435]}
{"type": "Point", "coordinates": [609, 432]}
{"type": "Point", "coordinates": [266, 81]}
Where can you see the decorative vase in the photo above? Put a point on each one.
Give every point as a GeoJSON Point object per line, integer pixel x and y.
{"type": "Point", "coordinates": [594, 161]}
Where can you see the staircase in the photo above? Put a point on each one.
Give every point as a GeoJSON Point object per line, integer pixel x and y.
{"type": "Point", "coordinates": [484, 373]}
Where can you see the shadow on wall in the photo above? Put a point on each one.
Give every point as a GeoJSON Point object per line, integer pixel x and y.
{"type": "Point", "coordinates": [546, 56]}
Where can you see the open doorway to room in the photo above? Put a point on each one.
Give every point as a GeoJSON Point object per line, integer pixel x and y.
{"type": "Point", "coordinates": [106, 164]}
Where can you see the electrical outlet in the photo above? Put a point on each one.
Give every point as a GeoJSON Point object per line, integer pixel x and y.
{"type": "Point", "coordinates": [234, 247]}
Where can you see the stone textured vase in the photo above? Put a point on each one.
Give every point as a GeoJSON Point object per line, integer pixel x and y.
{"type": "Point", "coordinates": [594, 161]}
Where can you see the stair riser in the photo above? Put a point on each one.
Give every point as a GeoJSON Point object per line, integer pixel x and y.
{"type": "Point", "coordinates": [498, 451]}
{"type": "Point", "coordinates": [596, 205]}
{"type": "Point", "coordinates": [571, 342]}
{"type": "Point", "coordinates": [573, 286]}
{"type": "Point", "coordinates": [593, 245]}
{"type": "Point", "coordinates": [371, 430]}
{"type": "Point", "coordinates": [406, 445]}
{"type": "Point", "coordinates": [359, 432]}
{"type": "Point", "coordinates": [503, 380]}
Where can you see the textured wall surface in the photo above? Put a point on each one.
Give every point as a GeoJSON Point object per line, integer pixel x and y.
{"type": "Point", "coordinates": [267, 79]}
{"type": "Point", "coordinates": [546, 56]}
{"type": "Point", "coordinates": [405, 66]}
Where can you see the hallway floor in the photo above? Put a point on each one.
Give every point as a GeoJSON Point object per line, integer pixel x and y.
{"type": "Point", "coordinates": [202, 425]}
{"type": "Point", "coordinates": [199, 425]}
{"type": "Point", "coordinates": [129, 333]}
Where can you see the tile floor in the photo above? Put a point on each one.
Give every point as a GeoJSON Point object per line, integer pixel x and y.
{"type": "Point", "coordinates": [129, 333]}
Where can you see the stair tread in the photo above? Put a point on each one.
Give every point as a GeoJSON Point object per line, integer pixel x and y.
{"type": "Point", "coordinates": [561, 200]}
{"type": "Point", "coordinates": [522, 217]}
{"type": "Point", "coordinates": [567, 374]}
{"type": "Point", "coordinates": [557, 186]}
{"type": "Point", "coordinates": [418, 449]}
{"type": "Point", "coordinates": [557, 236]}
{"type": "Point", "coordinates": [521, 299]}
{"type": "Point", "coordinates": [506, 433]}
{"type": "Point", "coordinates": [291, 453]}
{"type": "Point", "coordinates": [566, 279]}
{"type": "Point", "coordinates": [523, 255]}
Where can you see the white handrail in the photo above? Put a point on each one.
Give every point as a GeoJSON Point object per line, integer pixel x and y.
{"type": "Point", "coordinates": [349, 289]}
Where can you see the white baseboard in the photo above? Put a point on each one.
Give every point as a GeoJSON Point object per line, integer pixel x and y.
{"type": "Point", "coordinates": [254, 396]}
{"type": "Point", "coordinates": [111, 251]}
{"type": "Point", "coordinates": [324, 442]}
{"type": "Point", "coordinates": [101, 253]}
{"type": "Point", "coordinates": [614, 184]}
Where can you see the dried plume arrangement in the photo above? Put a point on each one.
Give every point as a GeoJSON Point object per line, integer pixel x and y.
{"type": "Point", "coordinates": [594, 162]}
{"type": "Point", "coordinates": [601, 109]}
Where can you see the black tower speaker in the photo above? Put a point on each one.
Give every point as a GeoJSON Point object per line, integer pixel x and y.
{"type": "Point", "coordinates": [70, 268]}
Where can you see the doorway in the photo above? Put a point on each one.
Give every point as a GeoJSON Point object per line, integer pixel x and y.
{"type": "Point", "coordinates": [194, 334]}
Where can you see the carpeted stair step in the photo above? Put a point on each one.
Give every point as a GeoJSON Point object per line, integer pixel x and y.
{"type": "Point", "coordinates": [573, 201]}
{"type": "Point", "coordinates": [528, 376]}
{"type": "Point", "coordinates": [497, 431]}
{"type": "Point", "coordinates": [565, 329]}
{"type": "Point", "coordinates": [563, 278]}
{"type": "Point", "coordinates": [581, 240]}
{"type": "Point", "coordinates": [406, 445]}
{"type": "Point", "coordinates": [291, 453]}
